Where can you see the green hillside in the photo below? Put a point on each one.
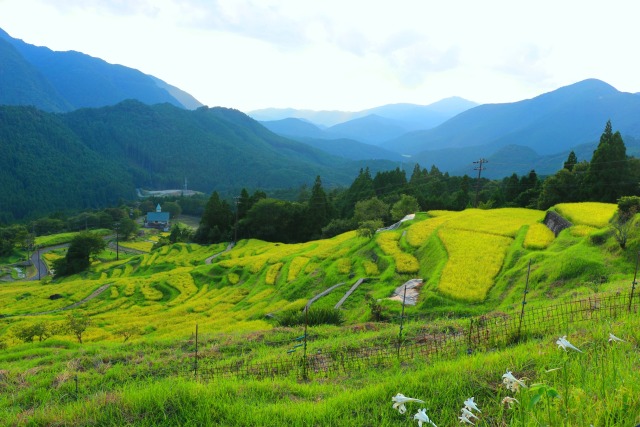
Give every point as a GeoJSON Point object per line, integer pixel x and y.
{"type": "Point", "coordinates": [114, 150]}
{"type": "Point", "coordinates": [474, 262]}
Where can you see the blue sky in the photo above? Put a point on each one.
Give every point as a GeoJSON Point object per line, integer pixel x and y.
{"type": "Point", "coordinates": [347, 54]}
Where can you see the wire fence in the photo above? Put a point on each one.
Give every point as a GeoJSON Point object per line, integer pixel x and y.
{"type": "Point", "coordinates": [484, 333]}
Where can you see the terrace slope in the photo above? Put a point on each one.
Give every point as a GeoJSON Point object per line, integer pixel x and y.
{"type": "Point", "coordinates": [471, 262]}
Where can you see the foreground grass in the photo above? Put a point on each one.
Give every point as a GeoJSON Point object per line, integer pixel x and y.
{"type": "Point", "coordinates": [600, 386]}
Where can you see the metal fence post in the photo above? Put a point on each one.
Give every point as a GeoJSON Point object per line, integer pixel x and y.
{"type": "Point", "coordinates": [524, 300]}
{"type": "Point", "coordinates": [633, 285]}
{"type": "Point", "coordinates": [404, 298]}
{"type": "Point", "coordinates": [195, 361]}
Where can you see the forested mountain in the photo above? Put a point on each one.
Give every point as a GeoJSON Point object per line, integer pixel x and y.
{"type": "Point", "coordinates": [64, 81]}
{"type": "Point", "coordinates": [90, 157]}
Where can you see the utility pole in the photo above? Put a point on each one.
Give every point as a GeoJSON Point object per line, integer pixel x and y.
{"type": "Point", "coordinates": [479, 168]}
{"type": "Point", "coordinates": [117, 228]}
{"type": "Point", "coordinates": [235, 228]}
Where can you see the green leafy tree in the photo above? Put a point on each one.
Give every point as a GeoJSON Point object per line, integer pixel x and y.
{"type": "Point", "coordinates": [82, 247]}
{"type": "Point", "coordinates": [77, 324]}
{"type": "Point", "coordinates": [405, 206]}
{"type": "Point", "coordinates": [371, 209]}
{"type": "Point", "coordinates": [173, 208]}
{"type": "Point", "coordinates": [368, 228]}
{"type": "Point", "coordinates": [127, 228]}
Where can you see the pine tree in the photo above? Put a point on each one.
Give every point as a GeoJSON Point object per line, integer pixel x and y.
{"type": "Point", "coordinates": [607, 175]}
{"type": "Point", "coordinates": [571, 161]}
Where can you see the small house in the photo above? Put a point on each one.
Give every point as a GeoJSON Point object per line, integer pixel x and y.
{"type": "Point", "coordinates": [157, 219]}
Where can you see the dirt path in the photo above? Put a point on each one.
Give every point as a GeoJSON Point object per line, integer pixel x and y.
{"type": "Point", "coordinates": [93, 295]}
{"type": "Point", "coordinates": [210, 259]}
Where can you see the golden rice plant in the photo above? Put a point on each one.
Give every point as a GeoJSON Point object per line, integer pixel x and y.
{"type": "Point", "coordinates": [233, 278]}
{"type": "Point", "coordinates": [503, 221]}
{"type": "Point", "coordinates": [139, 246]}
{"type": "Point", "coordinates": [474, 260]}
{"type": "Point", "coordinates": [150, 293]}
{"type": "Point", "coordinates": [343, 265]}
{"type": "Point", "coordinates": [419, 232]}
{"type": "Point", "coordinates": [295, 266]}
{"type": "Point", "coordinates": [272, 273]}
{"type": "Point", "coordinates": [370, 268]}
{"type": "Point", "coordinates": [538, 236]}
{"type": "Point", "coordinates": [581, 230]}
{"type": "Point", "coordinates": [405, 263]}
{"type": "Point", "coordinates": [594, 214]}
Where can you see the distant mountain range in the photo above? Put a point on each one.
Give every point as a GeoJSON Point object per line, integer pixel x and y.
{"type": "Point", "coordinates": [65, 81]}
{"type": "Point", "coordinates": [518, 137]}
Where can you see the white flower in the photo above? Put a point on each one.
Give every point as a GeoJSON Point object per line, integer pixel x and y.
{"type": "Point", "coordinates": [615, 338]}
{"type": "Point", "coordinates": [509, 401]}
{"type": "Point", "coordinates": [471, 405]}
{"type": "Point", "coordinates": [422, 417]}
{"type": "Point", "coordinates": [400, 399]}
{"type": "Point", "coordinates": [464, 419]}
{"type": "Point", "coordinates": [511, 382]}
{"type": "Point", "coordinates": [467, 413]}
{"type": "Point", "coordinates": [564, 344]}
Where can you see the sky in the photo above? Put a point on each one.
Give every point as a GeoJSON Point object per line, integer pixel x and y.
{"type": "Point", "coordinates": [346, 55]}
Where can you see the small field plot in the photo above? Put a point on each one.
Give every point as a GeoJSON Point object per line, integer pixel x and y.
{"type": "Point", "coordinates": [593, 214]}
{"type": "Point", "coordinates": [504, 222]}
{"type": "Point", "coordinates": [474, 260]}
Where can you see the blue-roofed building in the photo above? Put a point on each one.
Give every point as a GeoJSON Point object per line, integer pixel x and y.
{"type": "Point", "coordinates": [157, 219]}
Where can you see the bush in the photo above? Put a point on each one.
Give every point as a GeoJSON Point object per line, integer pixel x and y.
{"type": "Point", "coordinates": [315, 317]}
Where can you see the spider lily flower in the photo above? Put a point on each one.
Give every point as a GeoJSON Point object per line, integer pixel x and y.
{"type": "Point", "coordinates": [564, 344]}
{"type": "Point", "coordinates": [400, 399]}
{"type": "Point", "coordinates": [613, 338]}
{"type": "Point", "coordinates": [509, 401]}
{"type": "Point", "coordinates": [511, 382]}
{"type": "Point", "coordinates": [464, 419]}
{"type": "Point", "coordinates": [471, 405]}
{"type": "Point", "coordinates": [467, 413]}
{"type": "Point", "coordinates": [422, 417]}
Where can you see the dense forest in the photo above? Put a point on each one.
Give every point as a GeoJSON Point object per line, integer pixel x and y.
{"type": "Point", "coordinates": [370, 202]}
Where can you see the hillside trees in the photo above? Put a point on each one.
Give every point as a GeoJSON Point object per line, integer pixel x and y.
{"type": "Point", "coordinates": [217, 221]}
{"type": "Point", "coordinates": [606, 178]}
{"type": "Point", "coordinates": [82, 247]}
{"type": "Point", "coordinates": [319, 210]}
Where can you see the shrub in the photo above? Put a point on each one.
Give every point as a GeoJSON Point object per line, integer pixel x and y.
{"type": "Point", "coordinates": [315, 316]}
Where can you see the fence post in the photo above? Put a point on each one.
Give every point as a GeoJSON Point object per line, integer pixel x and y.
{"type": "Point", "coordinates": [195, 362]}
{"type": "Point", "coordinates": [75, 379]}
{"type": "Point", "coordinates": [633, 285]}
{"type": "Point", "coordinates": [469, 348]}
{"type": "Point", "coordinates": [524, 299]}
{"type": "Point", "coordinates": [304, 348]}
{"type": "Point", "coordinates": [404, 297]}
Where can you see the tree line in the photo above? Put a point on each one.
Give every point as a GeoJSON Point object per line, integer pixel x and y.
{"type": "Point", "coordinates": [373, 201]}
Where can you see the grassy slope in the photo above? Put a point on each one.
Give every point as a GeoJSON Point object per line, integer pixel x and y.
{"type": "Point", "coordinates": [165, 293]}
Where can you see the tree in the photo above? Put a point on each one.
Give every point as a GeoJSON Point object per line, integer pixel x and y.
{"type": "Point", "coordinates": [318, 210]}
{"type": "Point", "coordinates": [571, 161]}
{"type": "Point", "coordinates": [173, 208]}
{"type": "Point", "coordinates": [82, 247]}
{"type": "Point", "coordinates": [405, 206]}
{"type": "Point", "coordinates": [367, 229]}
{"type": "Point", "coordinates": [126, 228]}
{"type": "Point", "coordinates": [607, 174]}
{"type": "Point", "coordinates": [370, 209]}
{"type": "Point", "coordinates": [216, 222]}
{"type": "Point", "coordinates": [77, 324]}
